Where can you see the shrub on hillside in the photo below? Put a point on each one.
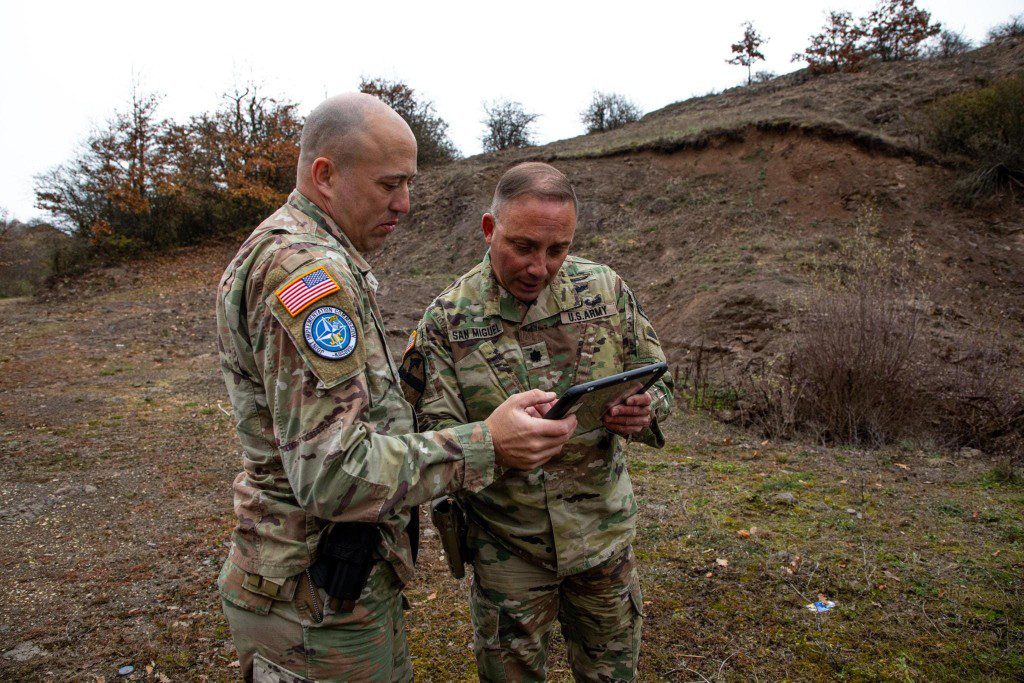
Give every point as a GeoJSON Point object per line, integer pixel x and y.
{"type": "Point", "coordinates": [981, 401]}
{"type": "Point", "coordinates": [1013, 28]}
{"type": "Point", "coordinates": [855, 373]}
{"type": "Point", "coordinates": [984, 128]}
{"type": "Point", "coordinates": [608, 111]}
{"type": "Point", "coordinates": [949, 44]}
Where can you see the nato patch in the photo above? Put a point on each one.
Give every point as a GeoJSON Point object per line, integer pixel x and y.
{"type": "Point", "coordinates": [330, 333]}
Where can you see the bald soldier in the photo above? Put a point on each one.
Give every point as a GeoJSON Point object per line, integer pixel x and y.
{"type": "Point", "coordinates": [553, 542]}
{"type": "Point", "coordinates": [331, 463]}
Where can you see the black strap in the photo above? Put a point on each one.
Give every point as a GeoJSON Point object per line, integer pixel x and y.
{"type": "Point", "coordinates": [413, 529]}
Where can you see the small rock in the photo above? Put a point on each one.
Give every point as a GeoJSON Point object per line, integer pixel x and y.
{"type": "Point", "coordinates": [89, 488]}
{"type": "Point", "coordinates": [26, 651]}
{"type": "Point", "coordinates": [969, 453]}
{"type": "Point", "coordinates": [784, 498]}
{"type": "Point", "coordinates": [851, 511]}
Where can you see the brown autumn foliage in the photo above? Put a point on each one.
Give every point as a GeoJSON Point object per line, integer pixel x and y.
{"type": "Point", "coordinates": [142, 183]}
{"type": "Point", "coordinates": [837, 48]}
{"type": "Point", "coordinates": [893, 31]}
{"type": "Point", "coordinates": [748, 50]}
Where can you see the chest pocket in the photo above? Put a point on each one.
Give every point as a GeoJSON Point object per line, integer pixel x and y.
{"type": "Point", "coordinates": [488, 376]}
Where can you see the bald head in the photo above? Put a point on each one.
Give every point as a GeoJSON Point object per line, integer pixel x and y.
{"type": "Point", "coordinates": [356, 159]}
{"type": "Point", "coordinates": [341, 125]}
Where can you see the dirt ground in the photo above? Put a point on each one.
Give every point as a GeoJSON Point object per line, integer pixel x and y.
{"type": "Point", "coordinates": [115, 509]}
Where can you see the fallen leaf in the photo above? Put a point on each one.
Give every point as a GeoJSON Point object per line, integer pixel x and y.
{"type": "Point", "coordinates": [722, 562]}
{"type": "Point", "coordinates": [996, 553]}
{"type": "Point", "coordinates": [902, 466]}
{"type": "Point", "coordinates": [432, 596]}
{"type": "Point", "coordinates": [709, 575]}
{"type": "Point", "coordinates": [743, 533]}
{"type": "Point", "coordinates": [234, 665]}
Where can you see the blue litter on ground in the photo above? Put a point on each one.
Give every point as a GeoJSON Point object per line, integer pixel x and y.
{"type": "Point", "coordinates": [821, 606]}
{"type": "Point", "coordinates": [125, 670]}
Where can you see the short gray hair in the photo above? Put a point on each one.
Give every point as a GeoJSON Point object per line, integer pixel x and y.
{"type": "Point", "coordinates": [327, 127]}
{"type": "Point", "coordinates": [533, 179]}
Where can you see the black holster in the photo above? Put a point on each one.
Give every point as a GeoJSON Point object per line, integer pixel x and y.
{"type": "Point", "coordinates": [344, 559]}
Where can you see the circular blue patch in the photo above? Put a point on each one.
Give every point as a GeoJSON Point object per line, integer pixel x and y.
{"type": "Point", "coordinates": [330, 333]}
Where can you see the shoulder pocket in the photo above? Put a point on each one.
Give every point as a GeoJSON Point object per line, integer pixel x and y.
{"type": "Point", "coordinates": [326, 330]}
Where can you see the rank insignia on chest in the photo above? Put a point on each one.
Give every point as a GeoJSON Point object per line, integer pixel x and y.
{"type": "Point", "coordinates": [579, 315]}
{"type": "Point", "coordinates": [330, 333]}
{"type": "Point", "coordinates": [463, 334]}
{"type": "Point", "coordinates": [536, 355]}
{"type": "Point", "coordinates": [306, 289]}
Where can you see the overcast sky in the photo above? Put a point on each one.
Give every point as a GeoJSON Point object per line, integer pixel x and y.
{"type": "Point", "coordinates": [68, 66]}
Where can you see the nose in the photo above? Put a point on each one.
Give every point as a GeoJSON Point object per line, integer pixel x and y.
{"type": "Point", "coordinates": [400, 200]}
{"type": "Point", "coordinates": [538, 266]}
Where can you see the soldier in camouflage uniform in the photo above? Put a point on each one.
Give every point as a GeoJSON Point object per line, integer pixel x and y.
{"type": "Point", "coordinates": [554, 542]}
{"type": "Point", "coordinates": [326, 433]}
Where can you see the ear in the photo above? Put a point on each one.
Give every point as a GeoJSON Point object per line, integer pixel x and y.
{"type": "Point", "coordinates": [487, 224]}
{"type": "Point", "coordinates": [322, 171]}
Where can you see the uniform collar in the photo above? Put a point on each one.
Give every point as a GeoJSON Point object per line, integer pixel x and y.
{"type": "Point", "coordinates": [558, 296]}
{"type": "Point", "coordinates": [299, 201]}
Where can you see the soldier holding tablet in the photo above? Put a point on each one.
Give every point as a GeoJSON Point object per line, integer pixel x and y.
{"type": "Point", "coordinates": [554, 542]}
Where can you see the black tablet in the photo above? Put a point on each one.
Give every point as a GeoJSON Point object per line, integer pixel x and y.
{"type": "Point", "coordinates": [591, 400]}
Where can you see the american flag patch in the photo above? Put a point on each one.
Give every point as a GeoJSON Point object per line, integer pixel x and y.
{"type": "Point", "coordinates": [305, 289]}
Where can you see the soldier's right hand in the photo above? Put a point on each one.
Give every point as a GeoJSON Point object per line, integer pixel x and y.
{"type": "Point", "coordinates": [523, 441]}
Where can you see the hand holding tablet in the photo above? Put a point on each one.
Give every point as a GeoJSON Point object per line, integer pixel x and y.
{"type": "Point", "coordinates": [591, 400]}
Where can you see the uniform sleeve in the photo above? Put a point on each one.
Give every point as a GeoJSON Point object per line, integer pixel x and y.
{"type": "Point", "coordinates": [428, 375]}
{"type": "Point", "coordinates": [642, 347]}
{"type": "Point", "coordinates": [338, 466]}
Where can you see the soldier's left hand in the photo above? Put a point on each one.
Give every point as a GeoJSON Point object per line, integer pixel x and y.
{"type": "Point", "coordinates": [631, 417]}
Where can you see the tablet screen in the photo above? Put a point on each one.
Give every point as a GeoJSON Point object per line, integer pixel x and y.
{"type": "Point", "coordinates": [590, 409]}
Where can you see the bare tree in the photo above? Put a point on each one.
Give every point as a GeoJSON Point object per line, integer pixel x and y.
{"type": "Point", "coordinates": [949, 44]}
{"type": "Point", "coordinates": [608, 111]}
{"type": "Point", "coordinates": [747, 50]}
{"type": "Point", "coordinates": [507, 126]}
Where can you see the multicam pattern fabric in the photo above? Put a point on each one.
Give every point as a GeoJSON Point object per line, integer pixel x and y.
{"type": "Point", "coordinates": [283, 641]}
{"type": "Point", "coordinates": [324, 440]}
{"type": "Point", "coordinates": [477, 344]}
{"type": "Point", "coordinates": [514, 605]}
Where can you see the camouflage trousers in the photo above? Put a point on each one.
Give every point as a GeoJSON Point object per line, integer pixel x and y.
{"type": "Point", "coordinates": [281, 641]}
{"type": "Point", "coordinates": [515, 603]}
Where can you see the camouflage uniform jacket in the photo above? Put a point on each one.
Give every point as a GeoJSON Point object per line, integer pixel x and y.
{"type": "Point", "coordinates": [324, 438]}
{"type": "Point", "coordinates": [477, 344]}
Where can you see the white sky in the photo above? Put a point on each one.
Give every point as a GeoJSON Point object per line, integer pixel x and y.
{"type": "Point", "coordinates": [68, 66]}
